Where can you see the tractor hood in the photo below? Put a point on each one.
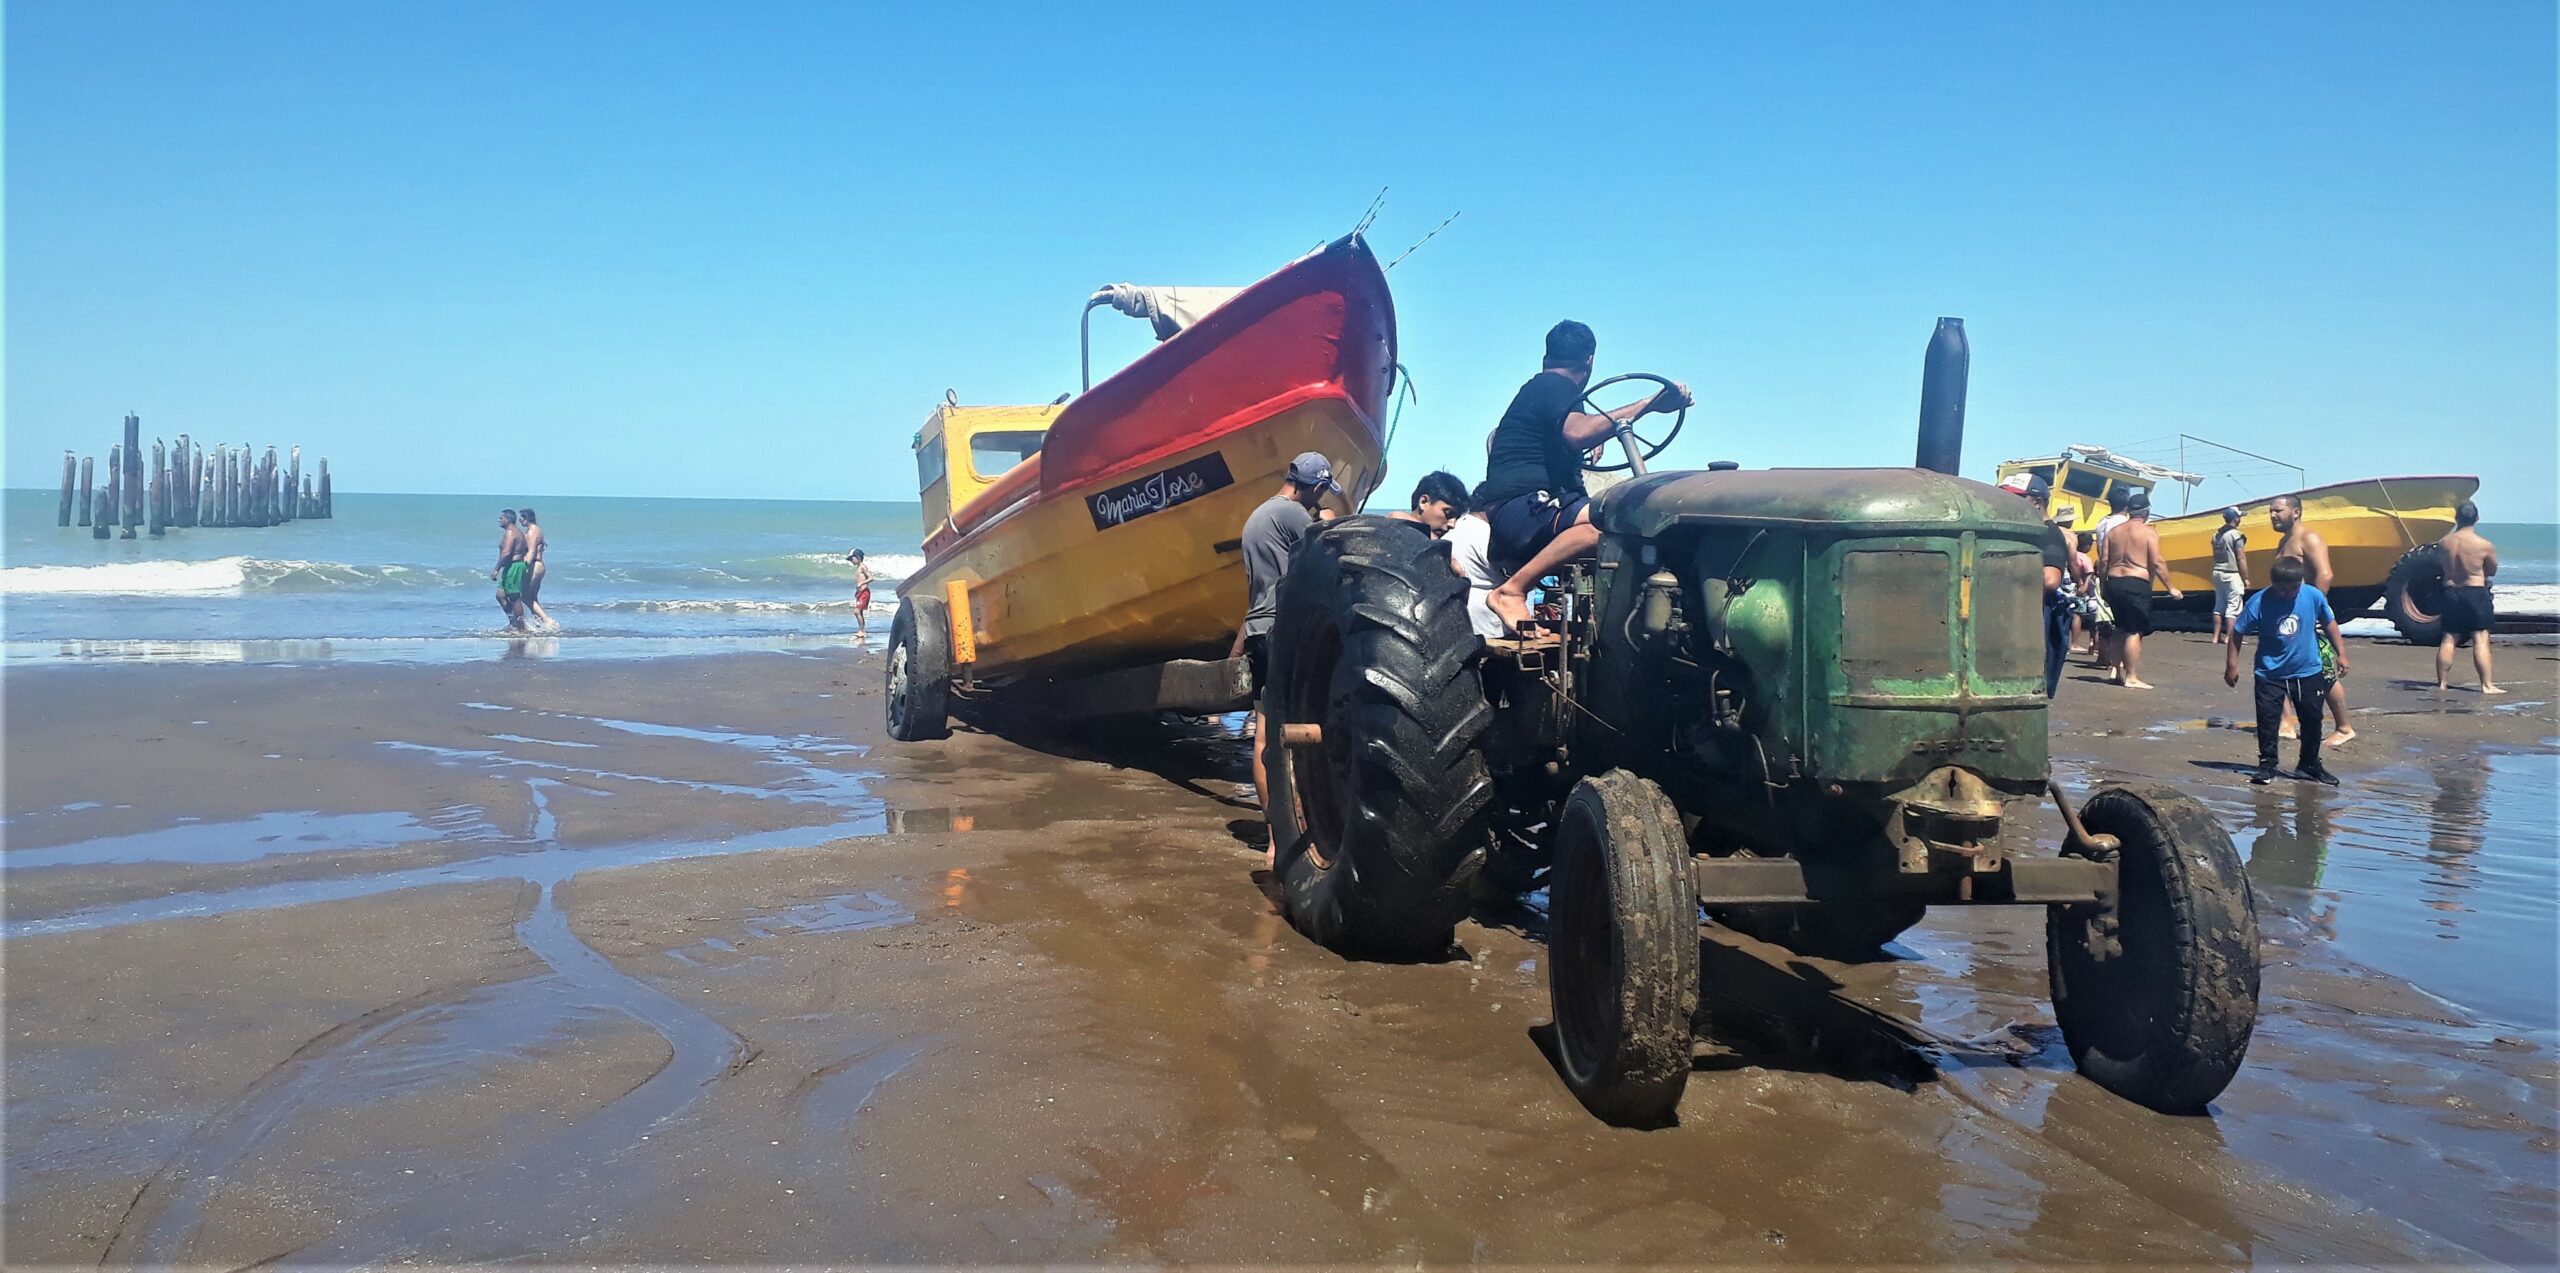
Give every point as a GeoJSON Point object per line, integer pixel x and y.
{"type": "Point", "coordinates": [1860, 500]}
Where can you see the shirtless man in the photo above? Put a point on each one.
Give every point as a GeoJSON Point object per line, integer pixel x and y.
{"type": "Point", "coordinates": [2305, 545]}
{"type": "Point", "coordinates": [510, 571]}
{"type": "Point", "coordinates": [2128, 560]}
{"type": "Point", "coordinates": [2470, 561]}
{"type": "Point", "coordinates": [534, 543]}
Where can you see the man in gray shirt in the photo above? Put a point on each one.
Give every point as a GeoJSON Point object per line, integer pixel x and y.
{"type": "Point", "coordinates": [1271, 537]}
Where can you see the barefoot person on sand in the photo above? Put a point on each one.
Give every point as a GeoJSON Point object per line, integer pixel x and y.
{"type": "Point", "coordinates": [534, 544]}
{"type": "Point", "coordinates": [2128, 560]}
{"type": "Point", "coordinates": [861, 593]}
{"type": "Point", "coordinates": [510, 571]}
{"type": "Point", "coordinates": [2470, 561]}
{"type": "Point", "coordinates": [2305, 545]}
{"type": "Point", "coordinates": [2230, 574]}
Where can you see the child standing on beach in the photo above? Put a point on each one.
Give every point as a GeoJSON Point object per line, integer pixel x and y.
{"type": "Point", "coordinates": [2288, 618]}
{"type": "Point", "coordinates": [861, 592]}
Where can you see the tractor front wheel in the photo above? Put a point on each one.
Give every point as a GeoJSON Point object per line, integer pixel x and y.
{"type": "Point", "coordinates": [2157, 993]}
{"type": "Point", "coordinates": [1622, 953]}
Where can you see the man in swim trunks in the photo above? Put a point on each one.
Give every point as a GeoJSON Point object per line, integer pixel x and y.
{"type": "Point", "coordinates": [2230, 573]}
{"type": "Point", "coordinates": [2304, 544]}
{"type": "Point", "coordinates": [534, 544]}
{"type": "Point", "coordinates": [2470, 562]}
{"type": "Point", "coordinates": [2128, 560]}
{"type": "Point", "coordinates": [861, 592]}
{"type": "Point", "coordinates": [510, 572]}
{"type": "Point", "coordinates": [1532, 493]}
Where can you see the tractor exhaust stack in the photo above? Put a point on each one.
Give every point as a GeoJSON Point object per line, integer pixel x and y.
{"type": "Point", "coordinates": [1942, 381]}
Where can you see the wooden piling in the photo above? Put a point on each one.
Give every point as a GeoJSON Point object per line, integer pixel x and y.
{"type": "Point", "coordinates": [88, 474]}
{"type": "Point", "coordinates": [155, 492]}
{"type": "Point", "coordinates": [182, 484]}
{"type": "Point", "coordinates": [310, 505]}
{"type": "Point", "coordinates": [227, 494]}
{"type": "Point", "coordinates": [327, 508]}
{"type": "Point", "coordinates": [132, 474]}
{"type": "Point", "coordinates": [290, 500]}
{"type": "Point", "coordinates": [204, 491]}
{"type": "Point", "coordinates": [110, 499]}
{"type": "Point", "coordinates": [70, 474]}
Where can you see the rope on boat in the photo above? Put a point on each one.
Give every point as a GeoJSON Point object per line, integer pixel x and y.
{"type": "Point", "coordinates": [1435, 233]}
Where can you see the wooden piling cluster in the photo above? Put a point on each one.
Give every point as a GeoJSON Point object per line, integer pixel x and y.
{"type": "Point", "coordinates": [189, 485]}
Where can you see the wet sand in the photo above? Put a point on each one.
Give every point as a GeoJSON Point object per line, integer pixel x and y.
{"type": "Point", "coordinates": [682, 961]}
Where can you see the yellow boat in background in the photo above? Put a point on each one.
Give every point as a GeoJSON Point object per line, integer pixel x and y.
{"type": "Point", "coordinates": [2371, 524]}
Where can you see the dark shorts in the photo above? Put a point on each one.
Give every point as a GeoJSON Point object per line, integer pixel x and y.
{"type": "Point", "coordinates": [2130, 601]}
{"type": "Point", "coordinates": [1524, 524]}
{"type": "Point", "coordinates": [1257, 661]}
{"type": "Point", "coordinates": [2468, 610]}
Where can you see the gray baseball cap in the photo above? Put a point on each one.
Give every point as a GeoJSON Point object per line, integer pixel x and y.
{"type": "Point", "coordinates": [1314, 472]}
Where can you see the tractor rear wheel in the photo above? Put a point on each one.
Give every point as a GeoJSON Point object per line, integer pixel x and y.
{"type": "Point", "coordinates": [1376, 827]}
{"type": "Point", "coordinates": [1622, 950]}
{"type": "Point", "coordinates": [919, 685]}
{"type": "Point", "coordinates": [2157, 993]}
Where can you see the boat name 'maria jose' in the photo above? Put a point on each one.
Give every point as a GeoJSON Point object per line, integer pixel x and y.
{"type": "Point", "coordinates": [1157, 492]}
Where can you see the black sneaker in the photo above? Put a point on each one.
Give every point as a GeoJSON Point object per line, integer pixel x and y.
{"type": "Point", "coordinates": [2317, 774]}
{"type": "Point", "coordinates": [2265, 774]}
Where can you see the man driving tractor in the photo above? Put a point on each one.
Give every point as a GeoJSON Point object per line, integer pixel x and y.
{"type": "Point", "coordinates": [1532, 492]}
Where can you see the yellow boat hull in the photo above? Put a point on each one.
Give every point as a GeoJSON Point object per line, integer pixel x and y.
{"type": "Point", "coordinates": [1051, 592]}
{"type": "Point", "coordinates": [2368, 524]}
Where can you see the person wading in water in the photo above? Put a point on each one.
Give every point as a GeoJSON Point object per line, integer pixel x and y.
{"type": "Point", "coordinates": [510, 571]}
{"type": "Point", "coordinates": [534, 544]}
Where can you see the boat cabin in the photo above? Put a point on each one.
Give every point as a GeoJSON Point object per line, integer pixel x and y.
{"type": "Point", "coordinates": [962, 452]}
{"type": "Point", "coordinates": [2091, 481]}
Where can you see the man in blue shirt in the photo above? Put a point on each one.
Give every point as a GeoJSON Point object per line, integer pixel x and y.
{"type": "Point", "coordinates": [2288, 618]}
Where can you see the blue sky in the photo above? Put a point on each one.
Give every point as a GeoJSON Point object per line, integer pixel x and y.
{"type": "Point", "coordinates": [586, 248]}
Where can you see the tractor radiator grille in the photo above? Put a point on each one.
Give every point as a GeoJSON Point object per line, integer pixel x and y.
{"type": "Point", "coordinates": [1894, 621]}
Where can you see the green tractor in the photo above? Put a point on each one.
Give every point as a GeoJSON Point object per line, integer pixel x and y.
{"type": "Point", "coordinates": [1803, 702]}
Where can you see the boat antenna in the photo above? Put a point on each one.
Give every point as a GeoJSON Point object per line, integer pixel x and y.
{"type": "Point", "coordinates": [1435, 233]}
{"type": "Point", "coordinates": [1371, 216]}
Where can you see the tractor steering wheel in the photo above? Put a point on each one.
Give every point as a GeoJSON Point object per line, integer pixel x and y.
{"type": "Point", "coordinates": [1639, 451]}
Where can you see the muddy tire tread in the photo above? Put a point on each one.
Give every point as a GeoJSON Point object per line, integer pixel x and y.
{"type": "Point", "coordinates": [2208, 967]}
{"type": "Point", "coordinates": [921, 631]}
{"type": "Point", "coordinates": [1407, 690]}
{"type": "Point", "coordinates": [1635, 1078]}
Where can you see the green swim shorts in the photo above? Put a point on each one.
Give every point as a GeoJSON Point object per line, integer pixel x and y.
{"type": "Point", "coordinates": [2328, 659]}
{"type": "Point", "coordinates": [511, 580]}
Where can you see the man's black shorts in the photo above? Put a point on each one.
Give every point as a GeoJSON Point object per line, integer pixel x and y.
{"type": "Point", "coordinates": [1257, 660]}
{"type": "Point", "coordinates": [2469, 610]}
{"type": "Point", "coordinates": [2130, 601]}
{"type": "Point", "coordinates": [1526, 523]}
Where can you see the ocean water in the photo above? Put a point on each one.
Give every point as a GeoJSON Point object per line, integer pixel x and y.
{"type": "Point", "coordinates": [406, 577]}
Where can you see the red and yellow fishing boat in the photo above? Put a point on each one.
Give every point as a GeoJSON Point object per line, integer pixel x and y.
{"type": "Point", "coordinates": [1067, 543]}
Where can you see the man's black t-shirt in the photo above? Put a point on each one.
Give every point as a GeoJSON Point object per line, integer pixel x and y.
{"type": "Point", "coordinates": [1529, 453]}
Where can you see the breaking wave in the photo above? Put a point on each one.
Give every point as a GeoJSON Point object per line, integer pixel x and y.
{"type": "Point", "coordinates": [240, 575]}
